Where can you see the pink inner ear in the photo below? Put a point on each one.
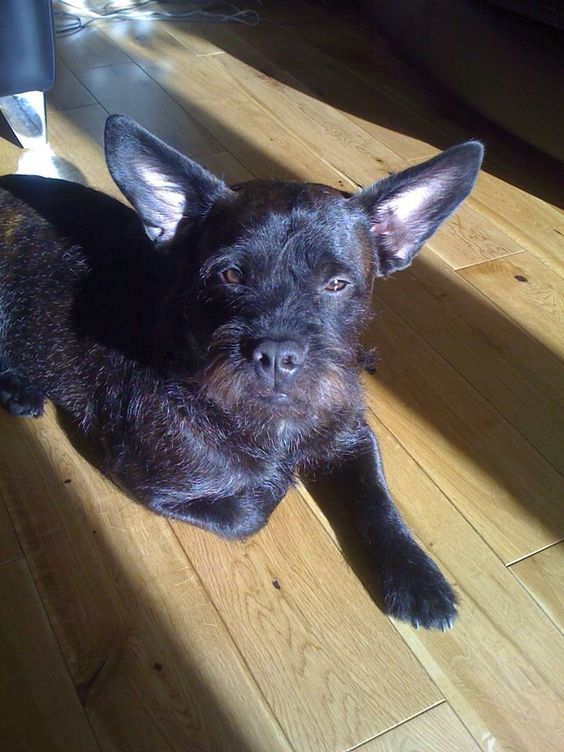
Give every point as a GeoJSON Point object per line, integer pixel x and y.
{"type": "Point", "coordinates": [394, 234]}
{"type": "Point", "coordinates": [380, 228]}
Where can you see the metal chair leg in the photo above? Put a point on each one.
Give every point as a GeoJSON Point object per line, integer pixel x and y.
{"type": "Point", "coordinates": [26, 116]}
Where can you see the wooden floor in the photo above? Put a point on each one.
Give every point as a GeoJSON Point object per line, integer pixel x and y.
{"type": "Point", "coordinates": [122, 631]}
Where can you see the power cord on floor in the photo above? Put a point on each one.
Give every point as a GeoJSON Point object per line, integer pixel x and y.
{"type": "Point", "coordinates": [212, 11]}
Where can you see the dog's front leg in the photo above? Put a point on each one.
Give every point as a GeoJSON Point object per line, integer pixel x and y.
{"type": "Point", "coordinates": [414, 589]}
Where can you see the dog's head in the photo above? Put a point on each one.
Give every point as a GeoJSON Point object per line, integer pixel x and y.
{"type": "Point", "coordinates": [283, 271]}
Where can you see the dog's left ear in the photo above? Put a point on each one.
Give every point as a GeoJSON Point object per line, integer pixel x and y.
{"type": "Point", "coordinates": [162, 185]}
{"type": "Point", "coordinates": [404, 210]}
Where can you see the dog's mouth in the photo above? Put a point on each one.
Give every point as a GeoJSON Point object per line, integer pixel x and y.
{"type": "Point", "coordinates": [274, 397]}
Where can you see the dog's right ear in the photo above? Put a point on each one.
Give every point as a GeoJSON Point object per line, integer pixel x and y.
{"type": "Point", "coordinates": [161, 184]}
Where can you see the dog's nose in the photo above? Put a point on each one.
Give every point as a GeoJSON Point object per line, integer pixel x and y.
{"type": "Point", "coordinates": [278, 362]}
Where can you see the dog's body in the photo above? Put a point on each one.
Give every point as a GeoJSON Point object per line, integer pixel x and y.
{"type": "Point", "coordinates": [221, 359]}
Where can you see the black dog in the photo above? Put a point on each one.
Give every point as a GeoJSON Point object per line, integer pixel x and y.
{"type": "Point", "coordinates": [212, 346]}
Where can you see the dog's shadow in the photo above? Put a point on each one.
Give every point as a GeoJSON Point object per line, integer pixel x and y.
{"type": "Point", "coordinates": [330, 493]}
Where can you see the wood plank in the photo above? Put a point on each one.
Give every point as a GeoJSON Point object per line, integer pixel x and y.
{"type": "Point", "coordinates": [528, 291]}
{"type": "Point", "coordinates": [80, 133]}
{"type": "Point", "coordinates": [504, 487]}
{"type": "Point", "coordinates": [151, 658]}
{"type": "Point", "coordinates": [499, 668]}
{"type": "Point", "coordinates": [34, 717]}
{"type": "Point", "coordinates": [307, 629]}
{"type": "Point", "coordinates": [470, 237]}
{"type": "Point", "coordinates": [543, 576]}
{"type": "Point", "coordinates": [89, 49]}
{"type": "Point", "coordinates": [541, 234]}
{"type": "Point", "coordinates": [130, 91]}
{"type": "Point", "coordinates": [280, 55]}
{"type": "Point", "coordinates": [260, 142]}
{"type": "Point", "coordinates": [200, 38]}
{"type": "Point", "coordinates": [224, 165]}
{"type": "Point", "coordinates": [323, 129]}
{"type": "Point", "coordinates": [67, 91]}
{"type": "Point", "coordinates": [437, 729]}
{"type": "Point", "coordinates": [9, 544]}
{"type": "Point", "coordinates": [510, 368]}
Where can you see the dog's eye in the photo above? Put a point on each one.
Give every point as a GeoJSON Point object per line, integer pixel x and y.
{"type": "Point", "coordinates": [336, 285]}
{"type": "Point", "coordinates": [231, 276]}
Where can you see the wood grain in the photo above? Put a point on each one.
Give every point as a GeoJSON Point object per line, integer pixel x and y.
{"type": "Point", "coordinates": [279, 56]}
{"type": "Point", "coordinates": [542, 231]}
{"type": "Point", "coordinates": [40, 708]}
{"type": "Point", "coordinates": [529, 292]}
{"type": "Point", "coordinates": [437, 729]}
{"type": "Point", "coordinates": [151, 659]}
{"type": "Point", "coordinates": [504, 487]}
{"type": "Point", "coordinates": [89, 49]}
{"type": "Point", "coordinates": [509, 367]}
{"type": "Point", "coordinates": [325, 657]}
{"type": "Point", "coordinates": [543, 576]}
{"type": "Point", "coordinates": [9, 545]}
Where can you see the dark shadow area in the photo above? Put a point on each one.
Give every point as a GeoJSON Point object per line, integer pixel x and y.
{"type": "Point", "coordinates": [138, 686]}
{"type": "Point", "coordinates": [332, 495]}
{"type": "Point", "coordinates": [116, 302]}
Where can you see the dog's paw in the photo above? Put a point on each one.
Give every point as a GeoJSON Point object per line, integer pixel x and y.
{"type": "Point", "coordinates": [19, 397]}
{"type": "Point", "coordinates": [415, 591]}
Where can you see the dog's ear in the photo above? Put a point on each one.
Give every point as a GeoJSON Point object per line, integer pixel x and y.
{"type": "Point", "coordinates": [162, 185]}
{"type": "Point", "coordinates": [404, 210]}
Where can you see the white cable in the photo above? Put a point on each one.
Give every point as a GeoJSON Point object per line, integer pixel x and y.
{"type": "Point", "coordinates": [213, 11]}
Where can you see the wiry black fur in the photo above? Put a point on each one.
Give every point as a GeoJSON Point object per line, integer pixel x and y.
{"type": "Point", "coordinates": [155, 351]}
